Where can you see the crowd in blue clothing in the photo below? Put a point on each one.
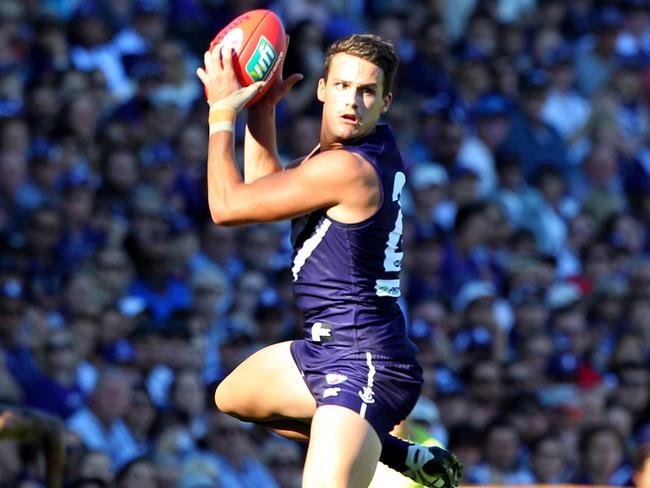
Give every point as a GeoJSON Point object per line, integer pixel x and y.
{"type": "Point", "coordinates": [525, 128]}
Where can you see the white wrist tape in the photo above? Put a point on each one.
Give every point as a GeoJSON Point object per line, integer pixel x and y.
{"type": "Point", "coordinates": [224, 112]}
{"type": "Point", "coordinates": [221, 119]}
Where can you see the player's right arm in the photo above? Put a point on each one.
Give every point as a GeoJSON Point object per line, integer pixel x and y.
{"type": "Point", "coordinates": [332, 179]}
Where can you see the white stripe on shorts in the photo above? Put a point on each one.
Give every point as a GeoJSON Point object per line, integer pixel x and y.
{"type": "Point", "coordinates": [367, 395]}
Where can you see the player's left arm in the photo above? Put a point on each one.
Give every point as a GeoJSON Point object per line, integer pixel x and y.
{"type": "Point", "coordinates": [260, 142]}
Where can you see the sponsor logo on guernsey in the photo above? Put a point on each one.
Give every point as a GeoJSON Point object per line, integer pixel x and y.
{"type": "Point", "coordinates": [335, 378]}
{"type": "Point", "coordinates": [321, 332]}
{"type": "Point", "coordinates": [262, 60]}
{"type": "Point", "coordinates": [388, 288]}
{"type": "Point", "coordinates": [331, 392]}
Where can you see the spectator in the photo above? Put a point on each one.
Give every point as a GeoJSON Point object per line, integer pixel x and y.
{"type": "Point", "coordinates": [528, 415]}
{"type": "Point", "coordinates": [600, 198]}
{"type": "Point", "coordinates": [13, 173]}
{"type": "Point", "coordinates": [285, 460]}
{"type": "Point", "coordinates": [466, 441]}
{"type": "Point", "coordinates": [233, 454]}
{"type": "Point", "coordinates": [548, 208]}
{"type": "Point", "coordinates": [93, 470]}
{"type": "Point", "coordinates": [137, 473]}
{"type": "Point", "coordinates": [633, 389]}
{"type": "Point", "coordinates": [595, 62]}
{"type": "Point", "coordinates": [120, 172]}
{"type": "Point", "coordinates": [55, 388]}
{"type": "Point", "coordinates": [141, 419]}
{"type": "Point", "coordinates": [565, 109]}
{"type": "Point", "coordinates": [548, 461]}
{"type": "Point", "coordinates": [45, 170]}
{"type": "Point", "coordinates": [501, 463]}
{"type": "Point", "coordinates": [485, 389]}
{"type": "Point", "coordinates": [429, 189]}
{"type": "Point", "coordinates": [187, 403]}
{"type": "Point", "coordinates": [148, 247]}
{"type": "Point", "coordinates": [19, 359]}
{"type": "Point", "coordinates": [479, 336]}
{"type": "Point", "coordinates": [602, 456]}
{"type": "Point", "coordinates": [178, 86]}
{"type": "Point", "coordinates": [478, 150]}
{"type": "Point", "coordinates": [114, 271]}
{"type": "Point", "coordinates": [531, 139]}
{"type": "Point", "coordinates": [100, 424]}
{"type": "Point", "coordinates": [463, 253]}
{"type": "Point", "coordinates": [44, 272]}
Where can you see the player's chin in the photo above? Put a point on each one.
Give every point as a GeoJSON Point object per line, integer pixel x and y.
{"type": "Point", "coordinates": [350, 131]}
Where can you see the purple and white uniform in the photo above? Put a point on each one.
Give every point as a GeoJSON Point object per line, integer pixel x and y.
{"type": "Point", "coordinates": [346, 282]}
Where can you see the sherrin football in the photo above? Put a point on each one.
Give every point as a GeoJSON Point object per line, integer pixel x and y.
{"type": "Point", "coordinates": [260, 44]}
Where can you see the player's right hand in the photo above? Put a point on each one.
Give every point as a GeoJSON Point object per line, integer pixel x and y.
{"type": "Point", "coordinates": [221, 84]}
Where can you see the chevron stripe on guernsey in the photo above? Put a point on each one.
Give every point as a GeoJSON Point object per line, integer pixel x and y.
{"type": "Point", "coordinates": [309, 245]}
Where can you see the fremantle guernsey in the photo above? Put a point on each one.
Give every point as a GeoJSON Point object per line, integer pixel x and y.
{"type": "Point", "coordinates": [346, 276]}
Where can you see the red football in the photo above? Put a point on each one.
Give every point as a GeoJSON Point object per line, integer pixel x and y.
{"type": "Point", "coordinates": [260, 45]}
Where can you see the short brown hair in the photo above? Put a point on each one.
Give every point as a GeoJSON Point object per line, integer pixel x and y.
{"type": "Point", "coordinates": [369, 47]}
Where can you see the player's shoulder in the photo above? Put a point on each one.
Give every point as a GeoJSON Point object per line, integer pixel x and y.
{"type": "Point", "coordinates": [332, 157]}
{"type": "Point", "coordinates": [344, 162]}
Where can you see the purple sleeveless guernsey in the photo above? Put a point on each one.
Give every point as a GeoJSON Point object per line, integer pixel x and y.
{"type": "Point", "coordinates": [346, 276]}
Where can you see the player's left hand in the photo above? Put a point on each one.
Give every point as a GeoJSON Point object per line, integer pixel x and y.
{"type": "Point", "coordinates": [220, 81]}
{"type": "Point", "coordinates": [278, 90]}
{"type": "Point", "coordinates": [280, 87]}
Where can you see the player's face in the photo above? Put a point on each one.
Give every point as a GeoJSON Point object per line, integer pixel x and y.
{"type": "Point", "coordinates": [352, 97]}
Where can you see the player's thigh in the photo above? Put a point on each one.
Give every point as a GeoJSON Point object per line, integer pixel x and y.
{"type": "Point", "coordinates": [343, 450]}
{"type": "Point", "coordinates": [266, 386]}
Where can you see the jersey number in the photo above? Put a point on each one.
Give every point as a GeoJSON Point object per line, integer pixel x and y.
{"type": "Point", "coordinates": [393, 257]}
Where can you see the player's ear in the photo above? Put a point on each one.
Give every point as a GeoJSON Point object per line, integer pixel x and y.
{"type": "Point", "coordinates": [387, 101]}
{"type": "Point", "coordinates": [320, 91]}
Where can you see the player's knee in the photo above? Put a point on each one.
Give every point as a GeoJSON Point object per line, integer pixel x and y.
{"type": "Point", "coordinates": [221, 398]}
{"type": "Point", "coordinates": [226, 401]}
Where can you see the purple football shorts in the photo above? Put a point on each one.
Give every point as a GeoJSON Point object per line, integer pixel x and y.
{"type": "Point", "coordinates": [380, 388]}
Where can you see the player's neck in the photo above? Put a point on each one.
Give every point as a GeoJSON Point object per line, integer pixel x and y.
{"type": "Point", "coordinates": [328, 145]}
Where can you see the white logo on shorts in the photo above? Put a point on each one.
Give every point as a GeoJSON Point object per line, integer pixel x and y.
{"type": "Point", "coordinates": [335, 378]}
{"type": "Point", "coordinates": [320, 331]}
{"type": "Point", "coordinates": [331, 392]}
{"type": "Point", "coordinates": [367, 395]}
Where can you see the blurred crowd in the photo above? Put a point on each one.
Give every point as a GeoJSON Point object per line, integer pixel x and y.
{"type": "Point", "coordinates": [525, 128]}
